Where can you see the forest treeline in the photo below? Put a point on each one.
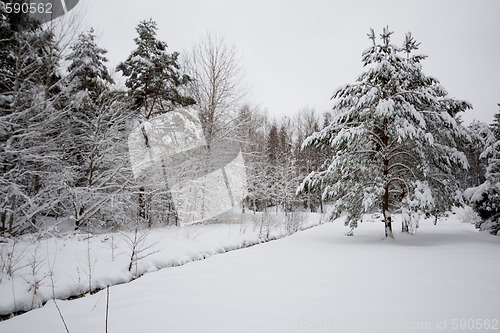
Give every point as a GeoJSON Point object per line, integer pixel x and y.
{"type": "Point", "coordinates": [65, 125]}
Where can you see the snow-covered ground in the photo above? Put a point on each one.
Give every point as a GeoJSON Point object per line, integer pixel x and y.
{"type": "Point", "coordinates": [443, 279]}
{"type": "Point", "coordinates": [33, 271]}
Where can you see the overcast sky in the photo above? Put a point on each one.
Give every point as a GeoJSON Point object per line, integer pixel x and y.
{"type": "Point", "coordinates": [296, 53]}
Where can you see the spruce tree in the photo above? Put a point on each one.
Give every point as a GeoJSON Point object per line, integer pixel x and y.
{"type": "Point", "coordinates": [95, 128]}
{"type": "Point", "coordinates": [87, 71]}
{"type": "Point", "coordinates": [88, 83]}
{"type": "Point", "coordinates": [485, 198]}
{"type": "Point", "coordinates": [394, 139]}
{"type": "Point", "coordinates": [495, 126]}
{"type": "Point", "coordinates": [272, 166]}
{"type": "Point", "coordinates": [481, 137]}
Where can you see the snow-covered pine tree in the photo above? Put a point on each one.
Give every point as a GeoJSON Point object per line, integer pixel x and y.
{"type": "Point", "coordinates": [310, 158]}
{"type": "Point", "coordinates": [481, 137]}
{"type": "Point", "coordinates": [156, 85]}
{"type": "Point", "coordinates": [485, 198]}
{"type": "Point", "coordinates": [96, 131]}
{"type": "Point", "coordinates": [394, 136]}
{"type": "Point", "coordinates": [495, 126]}
{"type": "Point", "coordinates": [87, 71]}
{"type": "Point", "coordinates": [272, 176]}
{"type": "Point", "coordinates": [88, 82]}
{"type": "Point", "coordinates": [154, 78]}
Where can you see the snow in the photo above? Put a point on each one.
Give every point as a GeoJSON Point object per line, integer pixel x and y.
{"type": "Point", "coordinates": [430, 138]}
{"type": "Point", "coordinates": [475, 194]}
{"type": "Point", "coordinates": [67, 258]}
{"type": "Point", "coordinates": [313, 281]}
{"type": "Point", "coordinates": [385, 107]}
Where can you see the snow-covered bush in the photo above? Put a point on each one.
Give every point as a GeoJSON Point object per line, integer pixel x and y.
{"type": "Point", "coordinates": [491, 224]}
{"type": "Point", "coordinates": [293, 222]}
{"type": "Point", "coordinates": [469, 215]}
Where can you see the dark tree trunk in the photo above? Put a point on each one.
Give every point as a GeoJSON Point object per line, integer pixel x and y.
{"type": "Point", "coordinates": [388, 227]}
{"type": "Point", "coordinates": [385, 201]}
{"type": "Point", "coordinates": [142, 203]}
{"type": "Point", "coordinates": [385, 205]}
{"type": "Point", "coordinates": [79, 214]}
{"type": "Point", "coordinates": [3, 218]}
{"type": "Point", "coordinates": [404, 227]}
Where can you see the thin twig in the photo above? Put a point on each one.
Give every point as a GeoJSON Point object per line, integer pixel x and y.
{"type": "Point", "coordinates": [107, 307]}
{"type": "Point", "coordinates": [60, 315]}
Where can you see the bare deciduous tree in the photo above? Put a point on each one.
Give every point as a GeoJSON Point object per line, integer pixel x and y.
{"type": "Point", "coordinates": [217, 85]}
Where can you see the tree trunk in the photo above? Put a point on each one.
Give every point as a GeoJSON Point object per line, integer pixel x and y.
{"type": "Point", "coordinates": [11, 220]}
{"type": "Point", "coordinates": [143, 208]}
{"type": "Point", "coordinates": [388, 227]}
{"type": "Point", "coordinates": [385, 202]}
{"type": "Point", "coordinates": [149, 213]}
{"type": "Point", "coordinates": [385, 206]}
{"type": "Point", "coordinates": [36, 188]}
{"type": "Point", "coordinates": [2, 221]}
{"type": "Point", "coordinates": [142, 203]}
{"type": "Point", "coordinates": [78, 220]}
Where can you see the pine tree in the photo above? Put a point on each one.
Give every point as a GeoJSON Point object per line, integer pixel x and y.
{"type": "Point", "coordinates": [485, 198]}
{"type": "Point", "coordinates": [495, 126]}
{"type": "Point", "coordinates": [87, 71]}
{"type": "Point", "coordinates": [481, 137]}
{"type": "Point", "coordinates": [88, 82]}
{"type": "Point", "coordinates": [156, 85]}
{"type": "Point", "coordinates": [310, 158]}
{"type": "Point", "coordinates": [394, 138]}
{"type": "Point", "coordinates": [96, 124]}
{"type": "Point", "coordinates": [154, 79]}
{"type": "Point", "coordinates": [272, 166]}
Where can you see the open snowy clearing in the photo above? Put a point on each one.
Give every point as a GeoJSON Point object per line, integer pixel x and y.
{"type": "Point", "coordinates": [314, 281]}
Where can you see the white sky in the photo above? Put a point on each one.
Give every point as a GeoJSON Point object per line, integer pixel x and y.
{"type": "Point", "coordinates": [296, 53]}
